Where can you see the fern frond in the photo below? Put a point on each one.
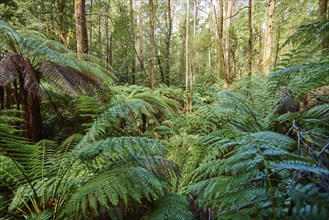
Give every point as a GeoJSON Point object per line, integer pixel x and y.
{"type": "Point", "coordinates": [119, 147]}
{"type": "Point", "coordinates": [171, 206]}
{"type": "Point", "coordinates": [114, 187]}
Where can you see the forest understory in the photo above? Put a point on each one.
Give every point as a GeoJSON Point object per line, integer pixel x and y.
{"type": "Point", "coordinates": [163, 109]}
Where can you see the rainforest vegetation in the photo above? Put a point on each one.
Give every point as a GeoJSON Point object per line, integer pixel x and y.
{"type": "Point", "coordinates": [164, 109]}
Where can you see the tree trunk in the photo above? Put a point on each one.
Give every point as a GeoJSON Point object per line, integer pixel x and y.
{"type": "Point", "coordinates": [32, 112]}
{"type": "Point", "coordinates": [250, 38]}
{"type": "Point", "coordinates": [151, 45]}
{"type": "Point", "coordinates": [107, 39]}
{"type": "Point", "coordinates": [187, 57]}
{"type": "Point", "coordinates": [268, 37]}
{"type": "Point", "coordinates": [81, 26]}
{"type": "Point", "coordinates": [228, 42]}
{"type": "Point", "coordinates": [323, 5]}
{"type": "Point", "coordinates": [167, 58]}
{"type": "Point", "coordinates": [277, 47]}
{"type": "Point", "coordinates": [219, 27]}
{"type": "Point", "coordinates": [111, 51]}
{"type": "Point", "coordinates": [193, 72]}
{"type": "Point", "coordinates": [141, 34]}
{"type": "Point", "coordinates": [61, 15]}
{"type": "Point", "coordinates": [261, 50]}
{"type": "Point", "coordinates": [91, 27]}
{"type": "Point", "coordinates": [132, 31]}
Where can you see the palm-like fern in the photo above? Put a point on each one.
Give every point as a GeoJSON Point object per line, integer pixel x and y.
{"type": "Point", "coordinates": [16, 68]}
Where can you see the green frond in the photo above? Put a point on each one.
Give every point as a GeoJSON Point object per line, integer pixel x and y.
{"type": "Point", "coordinates": [69, 143]}
{"type": "Point", "coordinates": [32, 34]}
{"type": "Point", "coordinates": [67, 79]}
{"type": "Point", "coordinates": [119, 148]}
{"type": "Point", "coordinates": [157, 102]}
{"type": "Point", "coordinates": [171, 206]}
{"type": "Point", "coordinates": [114, 187]}
{"type": "Point", "coordinates": [299, 165]}
{"type": "Point", "coordinates": [236, 172]}
{"type": "Point", "coordinates": [308, 34]}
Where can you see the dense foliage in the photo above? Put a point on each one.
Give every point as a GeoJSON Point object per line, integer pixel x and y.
{"type": "Point", "coordinates": [76, 145]}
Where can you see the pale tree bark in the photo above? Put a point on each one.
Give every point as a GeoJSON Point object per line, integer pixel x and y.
{"type": "Point", "coordinates": [268, 37]}
{"type": "Point", "coordinates": [151, 45]}
{"type": "Point", "coordinates": [91, 27]}
{"type": "Point", "coordinates": [81, 26]}
{"type": "Point", "coordinates": [228, 24]}
{"type": "Point", "coordinates": [187, 56]}
{"type": "Point", "coordinates": [193, 69]}
{"type": "Point", "coordinates": [132, 31]}
{"type": "Point", "coordinates": [250, 38]}
{"type": "Point", "coordinates": [219, 27]}
{"type": "Point", "coordinates": [168, 41]}
{"type": "Point", "coordinates": [261, 50]}
{"type": "Point", "coordinates": [140, 16]}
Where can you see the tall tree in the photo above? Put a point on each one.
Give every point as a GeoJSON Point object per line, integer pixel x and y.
{"type": "Point", "coordinates": [250, 38]}
{"type": "Point", "coordinates": [219, 27]}
{"type": "Point", "coordinates": [187, 56]}
{"type": "Point", "coordinates": [132, 32]}
{"type": "Point", "coordinates": [81, 26]}
{"type": "Point", "coordinates": [268, 37]}
{"type": "Point", "coordinates": [168, 41]}
{"type": "Point", "coordinates": [61, 15]}
{"type": "Point", "coordinates": [140, 15]}
{"type": "Point", "coordinates": [193, 69]}
{"type": "Point", "coordinates": [91, 26]}
{"type": "Point", "coordinates": [228, 24]}
{"type": "Point", "coordinates": [151, 45]}
{"type": "Point", "coordinates": [260, 50]}
{"type": "Point", "coordinates": [107, 37]}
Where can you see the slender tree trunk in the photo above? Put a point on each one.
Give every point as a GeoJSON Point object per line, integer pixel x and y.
{"type": "Point", "coordinates": [323, 6]}
{"type": "Point", "coordinates": [182, 59]}
{"type": "Point", "coordinates": [61, 6]}
{"type": "Point", "coordinates": [168, 44]}
{"type": "Point", "coordinates": [100, 43]}
{"type": "Point", "coordinates": [235, 59]}
{"type": "Point", "coordinates": [228, 42]}
{"type": "Point", "coordinates": [107, 39]}
{"type": "Point", "coordinates": [140, 15]}
{"type": "Point", "coordinates": [81, 26]}
{"type": "Point", "coordinates": [162, 73]}
{"type": "Point", "coordinates": [111, 52]}
{"type": "Point", "coordinates": [91, 28]}
{"type": "Point", "coordinates": [132, 31]}
{"type": "Point", "coordinates": [220, 51]}
{"type": "Point", "coordinates": [250, 38]}
{"type": "Point", "coordinates": [187, 56]}
{"type": "Point", "coordinates": [193, 72]}
{"type": "Point", "coordinates": [151, 45]}
{"type": "Point", "coordinates": [277, 47]}
{"type": "Point", "coordinates": [261, 50]}
{"type": "Point", "coordinates": [268, 37]}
